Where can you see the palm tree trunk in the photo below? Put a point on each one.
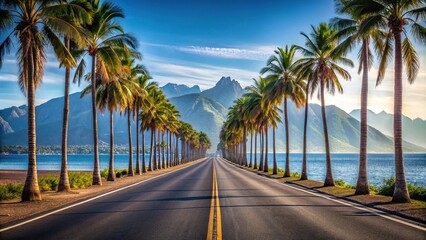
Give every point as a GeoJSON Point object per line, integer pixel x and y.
{"type": "Point", "coordinates": [64, 183]}
{"type": "Point", "coordinates": [129, 130]}
{"type": "Point", "coordinates": [96, 170]}
{"type": "Point", "coordinates": [177, 150]}
{"type": "Point", "coordinates": [255, 150]}
{"type": "Point", "coordinates": [251, 149]}
{"type": "Point", "coordinates": [138, 166]}
{"type": "Point", "coordinates": [143, 152]}
{"type": "Point", "coordinates": [305, 131]}
{"type": "Point", "coordinates": [150, 151]}
{"type": "Point", "coordinates": [111, 171]}
{"type": "Point", "coordinates": [400, 193]}
{"type": "Point", "coordinates": [170, 151]}
{"type": "Point", "coordinates": [245, 147]}
{"type": "Point", "coordinates": [266, 168]}
{"type": "Point", "coordinates": [275, 167]}
{"type": "Point", "coordinates": [155, 150]}
{"type": "Point", "coordinates": [287, 141]}
{"type": "Point", "coordinates": [362, 183]}
{"type": "Point", "coordinates": [162, 151]}
{"type": "Point", "coordinates": [261, 150]}
{"type": "Point", "coordinates": [329, 181]}
{"type": "Point", "coordinates": [31, 190]}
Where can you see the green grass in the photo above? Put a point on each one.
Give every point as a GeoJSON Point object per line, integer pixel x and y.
{"type": "Point", "coordinates": [77, 180]}
{"type": "Point", "coordinates": [118, 173]}
{"type": "Point", "coordinates": [10, 191]}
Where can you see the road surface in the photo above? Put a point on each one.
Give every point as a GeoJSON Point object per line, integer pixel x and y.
{"type": "Point", "coordinates": [184, 205]}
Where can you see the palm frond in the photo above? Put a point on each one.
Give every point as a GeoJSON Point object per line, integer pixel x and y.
{"type": "Point", "coordinates": [411, 60]}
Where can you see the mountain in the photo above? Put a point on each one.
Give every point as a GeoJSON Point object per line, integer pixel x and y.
{"type": "Point", "coordinates": [205, 114]}
{"type": "Point", "coordinates": [206, 111]}
{"type": "Point", "coordinates": [226, 91]}
{"type": "Point", "coordinates": [176, 90]}
{"type": "Point", "coordinates": [343, 132]}
{"type": "Point", "coordinates": [413, 130]}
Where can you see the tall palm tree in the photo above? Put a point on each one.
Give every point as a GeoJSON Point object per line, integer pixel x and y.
{"type": "Point", "coordinates": [322, 57]}
{"type": "Point", "coordinates": [285, 85]}
{"type": "Point", "coordinates": [349, 32]}
{"type": "Point", "coordinates": [36, 25]}
{"type": "Point", "coordinates": [113, 95]}
{"type": "Point", "coordinates": [395, 17]}
{"type": "Point", "coordinates": [106, 44]}
{"type": "Point", "coordinates": [84, 16]}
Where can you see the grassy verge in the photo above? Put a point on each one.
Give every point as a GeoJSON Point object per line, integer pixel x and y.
{"type": "Point", "coordinates": [46, 183]}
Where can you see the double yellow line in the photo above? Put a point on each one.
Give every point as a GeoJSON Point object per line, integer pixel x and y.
{"type": "Point", "coordinates": [215, 219]}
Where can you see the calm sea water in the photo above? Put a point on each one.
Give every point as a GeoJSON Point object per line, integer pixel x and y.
{"type": "Point", "coordinates": [345, 166]}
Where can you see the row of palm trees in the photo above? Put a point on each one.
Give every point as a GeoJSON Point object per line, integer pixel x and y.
{"type": "Point", "coordinates": [87, 30]}
{"type": "Point", "coordinates": [362, 23]}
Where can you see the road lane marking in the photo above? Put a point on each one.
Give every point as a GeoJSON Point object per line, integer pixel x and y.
{"type": "Point", "coordinates": [90, 199]}
{"type": "Point", "coordinates": [376, 212]}
{"type": "Point", "coordinates": [214, 231]}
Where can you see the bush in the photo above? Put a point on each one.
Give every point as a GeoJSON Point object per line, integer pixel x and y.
{"type": "Point", "coordinates": [280, 170]}
{"type": "Point", "coordinates": [295, 175]}
{"type": "Point", "coordinates": [416, 192]}
{"type": "Point", "coordinates": [10, 191]}
{"type": "Point", "coordinates": [48, 183]}
{"type": "Point", "coordinates": [342, 184]}
{"type": "Point", "coordinates": [104, 173]}
{"type": "Point", "coordinates": [80, 179]}
{"type": "Point", "coordinates": [118, 174]}
{"type": "Point", "coordinates": [124, 172]}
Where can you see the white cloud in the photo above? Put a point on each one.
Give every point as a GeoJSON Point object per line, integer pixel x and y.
{"type": "Point", "coordinates": [254, 53]}
{"type": "Point", "coordinates": [205, 76]}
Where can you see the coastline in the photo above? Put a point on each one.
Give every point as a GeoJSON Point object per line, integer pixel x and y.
{"type": "Point", "coordinates": [18, 176]}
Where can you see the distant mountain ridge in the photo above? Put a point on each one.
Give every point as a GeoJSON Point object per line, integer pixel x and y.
{"type": "Point", "coordinates": [176, 90]}
{"type": "Point", "coordinates": [206, 111]}
{"type": "Point", "coordinates": [413, 130]}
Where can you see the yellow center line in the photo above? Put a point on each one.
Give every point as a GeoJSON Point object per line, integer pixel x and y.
{"type": "Point", "coordinates": [215, 233]}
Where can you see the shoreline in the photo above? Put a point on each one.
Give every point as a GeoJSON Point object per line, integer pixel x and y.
{"type": "Point", "coordinates": [18, 176]}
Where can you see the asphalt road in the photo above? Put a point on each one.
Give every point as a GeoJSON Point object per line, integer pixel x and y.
{"type": "Point", "coordinates": [177, 206]}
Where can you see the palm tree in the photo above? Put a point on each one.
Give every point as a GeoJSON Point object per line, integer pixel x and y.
{"type": "Point", "coordinates": [264, 112]}
{"type": "Point", "coordinates": [142, 101]}
{"type": "Point", "coordinates": [349, 32]}
{"type": "Point", "coordinates": [395, 17]}
{"type": "Point", "coordinates": [322, 57]}
{"type": "Point", "coordinates": [114, 95]}
{"type": "Point", "coordinates": [286, 85]}
{"type": "Point", "coordinates": [36, 25]}
{"type": "Point", "coordinates": [83, 17]}
{"type": "Point", "coordinates": [106, 44]}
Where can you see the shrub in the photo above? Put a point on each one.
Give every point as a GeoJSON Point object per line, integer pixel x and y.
{"type": "Point", "coordinates": [124, 172]}
{"type": "Point", "coordinates": [80, 179]}
{"type": "Point", "coordinates": [295, 174]}
{"type": "Point", "coordinates": [10, 191]}
{"type": "Point", "coordinates": [118, 174]}
{"type": "Point", "coordinates": [416, 192]}
{"type": "Point", "coordinates": [342, 184]}
{"type": "Point", "coordinates": [48, 183]}
{"type": "Point", "coordinates": [104, 173]}
{"type": "Point", "coordinates": [280, 170]}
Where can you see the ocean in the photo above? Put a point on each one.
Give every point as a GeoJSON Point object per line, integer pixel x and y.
{"type": "Point", "coordinates": [345, 166]}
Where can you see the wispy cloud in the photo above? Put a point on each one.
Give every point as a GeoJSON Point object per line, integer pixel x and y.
{"type": "Point", "coordinates": [199, 74]}
{"type": "Point", "coordinates": [255, 53]}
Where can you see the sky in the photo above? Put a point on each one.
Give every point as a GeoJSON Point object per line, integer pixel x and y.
{"type": "Point", "coordinates": [195, 42]}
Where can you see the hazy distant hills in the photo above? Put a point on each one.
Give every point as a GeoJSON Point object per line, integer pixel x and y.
{"type": "Point", "coordinates": [176, 90]}
{"type": "Point", "coordinates": [206, 111]}
{"type": "Point", "coordinates": [413, 130]}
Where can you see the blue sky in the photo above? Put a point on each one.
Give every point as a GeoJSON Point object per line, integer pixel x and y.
{"type": "Point", "coordinates": [197, 42]}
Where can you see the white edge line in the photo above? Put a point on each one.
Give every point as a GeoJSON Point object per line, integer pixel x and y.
{"type": "Point", "coordinates": [376, 212]}
{"type": "Point", "coordinates": [88, 200]}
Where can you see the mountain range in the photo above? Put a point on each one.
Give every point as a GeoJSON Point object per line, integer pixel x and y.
{"type": "Point", "coordinates": [206, 111]}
